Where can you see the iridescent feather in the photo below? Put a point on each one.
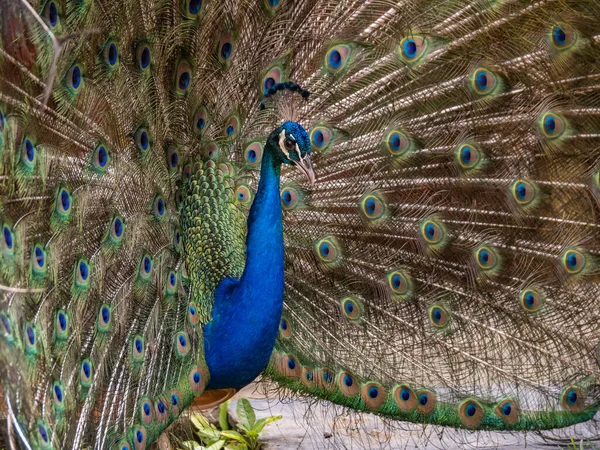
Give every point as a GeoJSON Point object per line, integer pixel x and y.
{"type": "Point", "coordinates": [443, 268]}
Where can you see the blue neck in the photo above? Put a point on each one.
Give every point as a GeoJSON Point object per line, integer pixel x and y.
{"type": "Point", "coordinates": [239, 340]}
{"type": "Point", "coordinates": [264, 254]}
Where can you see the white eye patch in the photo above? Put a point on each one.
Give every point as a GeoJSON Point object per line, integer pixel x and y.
{"type": "Point", "coordinates": [282, 144]}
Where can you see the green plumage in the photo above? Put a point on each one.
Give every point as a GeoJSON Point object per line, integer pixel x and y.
{"type": "Point", "coordinates": [214, 230]}
{"type": "Point", "coordinates": [443, 269]}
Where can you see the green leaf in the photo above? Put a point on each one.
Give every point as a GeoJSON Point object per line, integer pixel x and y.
{"type": "Point", "coordinates": [261, 423]}
{"type": "Point", "coordinates": [223, 422]}
{"type": "Point", "coordinates": [242, 427]}
{"type": "Point", "coordinates": [236, 446]}
{"type": "Point", "coordinates": [234, 436]}
{"type": "Point", "coordinates": [191, 445]}
{"type": "Point", "coordinates": [246, 413]}
{"type": "Point", "coordinates": [208, 436]}
{"type": "Point", "coordinates": [216, 446]}
{"type": "Point", "coordinates": [200, 421]}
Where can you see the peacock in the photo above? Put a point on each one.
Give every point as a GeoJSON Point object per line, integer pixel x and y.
{"type": "Point", "coordinates": [391, 205]}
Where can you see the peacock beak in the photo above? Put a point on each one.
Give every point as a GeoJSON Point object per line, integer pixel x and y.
{"type": "Point", "coordinates": [306, 166]}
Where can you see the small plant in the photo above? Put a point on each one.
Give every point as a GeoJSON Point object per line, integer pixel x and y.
{"type": "Point", "coordinates": [580, 446]}
{"type": "Point", "coordinates": [245, 438]}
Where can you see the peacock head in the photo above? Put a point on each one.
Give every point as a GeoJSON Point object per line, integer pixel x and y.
{"type": "Point", "coordinates": [292, 144]}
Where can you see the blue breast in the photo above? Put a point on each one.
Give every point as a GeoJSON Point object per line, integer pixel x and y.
{"type": "Point", "coordinates": [246, 313]}
{"type": "Point", "coordinates": [239, 340]}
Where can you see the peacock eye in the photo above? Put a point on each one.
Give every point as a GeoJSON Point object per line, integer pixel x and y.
{"type": "Point", "coordinates": [289, 144]}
